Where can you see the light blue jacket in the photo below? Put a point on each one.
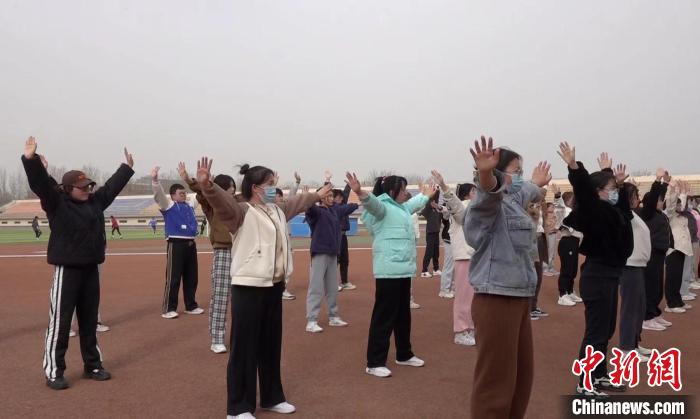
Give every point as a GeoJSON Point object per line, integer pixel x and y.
{"type": "Point", "coordinates": [391, 226]}
{"type": "Point", "coordinates": [501, 231]}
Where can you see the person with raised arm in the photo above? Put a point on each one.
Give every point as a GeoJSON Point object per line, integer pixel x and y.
{"type": "Point", "coordinates": [502, 233]}
{"type": "Point", "coordinates": [603, 215]}
{"type": "Point", "coordinates": [261, 260]}
{"type": "Point", "coordinates": [387, 217]}
{"type": "Point", "coordinates": [76, 248]}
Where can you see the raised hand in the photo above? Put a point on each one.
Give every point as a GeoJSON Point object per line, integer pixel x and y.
{"type": "Point", "coordinates": [437, 176]}
{"type": "Point", "coordinates": [328, 175]}
{"type": "Point", "coordinates": [568, 154]}
{"type": "Point", "coordinates": [604, 161]}
{"type": "Point", "coordinates": [204, 171]}
{"type": "Point", "coordinates": [297, 178]}
{"type": "Point", "coordinates": [620, 172]}
{"type": "Point", "coordinates": [554, 188]}
{"type": "Point", "coordinates": [154, 173]}
{"type": "Point", "coordinates": [541, 175]}
{"type": "Point", "coordinates": [660, 173]}
{"type": "Point", "coordinates": [276, 179]}
{"type": "Point", "coordinates": [353, 182]}
{"type": "Point", "coordinates": [129, 158]}
{"type": "Point", "coordinates": [326, 190]}
{"type": "Point", "coordinates": [182, 171]}
{"type": "Point", "coordinates": [305, 189]}
{"type": "Point", "coordinates": [30, 148]}
{"type": "Point", "coordinates": [429, 190]}
{"type": "Point", "coordinates": [485, 157]}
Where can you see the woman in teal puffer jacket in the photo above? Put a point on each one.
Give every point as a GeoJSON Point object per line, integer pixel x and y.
{"type": "Point", "coordinates": [387, 216]}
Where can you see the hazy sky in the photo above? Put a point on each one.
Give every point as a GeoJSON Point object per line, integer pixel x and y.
{"type": "Point", "coordinates": [309, 85]}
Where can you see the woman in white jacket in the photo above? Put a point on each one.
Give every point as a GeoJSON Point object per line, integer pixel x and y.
{"type": "Point", "coordinates": [261, 261]}
{"type": "Point", "coordinates": [462, 253]}
{"type": "Point", "coordinates": [682, 246]}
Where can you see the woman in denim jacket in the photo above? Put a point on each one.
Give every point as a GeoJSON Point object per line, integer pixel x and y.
{"type": "Point", "coordinates": [503, 276]}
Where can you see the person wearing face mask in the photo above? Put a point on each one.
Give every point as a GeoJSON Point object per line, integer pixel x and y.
{"type": "Point", "coordinates": [220, 240]}
{"type": "Point", "coordinates": [688, 274]}
{"type": "Point", "coordinates": [681, 248]}
{"type": "Point", "coordinates": [261, 260]}
{"type": "Point", "coordinates": [387, 217]}
{"type": "Point", "coordinates": [180, 232]}
{"type": "Point", "coordinates": [603, 215]}
{"type": "Point", "coordinates": [503, 276]}
{"type": "Point", "coordinates": [324, 221]}
{"type": "Point", "coordinates": [76, 248]}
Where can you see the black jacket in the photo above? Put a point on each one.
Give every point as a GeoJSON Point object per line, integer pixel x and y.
{"type": "Point", "coordinates": [659, 227]}
{"type": "Point", "coordinates": [607, 229]}
{"type": "Point", "coordinates": [77, 228]}
{"type": "Point", "coordinates": [433, 219]}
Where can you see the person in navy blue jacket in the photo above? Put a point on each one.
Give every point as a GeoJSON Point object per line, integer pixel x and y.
{"type": "Point", "coordinates": [341, 198]}
{"type": "Point", "coordinates": [180, 232]}
{"type": "Point", "coordinates": [325, 222]}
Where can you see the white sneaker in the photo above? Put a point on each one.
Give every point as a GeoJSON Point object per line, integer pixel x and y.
{"type": "Point", "coordinates": [72, 333]}
{"type": "Point", "coordinates": [643, 358]}
{"type": "Point", "coordinates": [564, 300]}
{"type": "Point", "coordinates": [594, 393]}
{"type": "Point", "coordinates": [381, 372]}
{"type": "Point", "coordinates": [692, 293]}
{"type": "Point", "coordinates": [313, 327]}
{"type": "Point", "coordinates": [663, 322]}
{"type": "Point", "coordinates": [349, 286]}
{"type": "Point", "coordinates": [687, 297]}
{"type": "Point", "coordinates": [676, 310]}
{"type": "Point", "coordinates": [554, 272]}
{"type": "Point", "coordinates": [414, 305]}
{"type": "Point", "coordinates": [340, 288]}
{"type": "Point", "coordinates": [465, 338]}
{"type": "Point", "coordinates": [547, 273]}
{"type": "Point", "coordinates": [643, 351]}
{"type": "Point", "coordinates": [652, 325]}
{"type": "Point", "coordinates": [437, 273]}
{"type": "Point", "coordinates": [286, 295]}
{"type": "Point", "coordinates": [102, 328]}
{"type": "Point", "coordinates": [575, 298]}
{"type": "Point", "coordinates": [337, 322]}
{"type": "Point", "coordinates": [246, 415]}
{"type": "Point", "coordinates": [446, 294]}
{"type": "Point", "coordinates": [687, 306]}
{"type": "Point", "coordinates": [695, 285]}
{"type": "Point", "coordinates": [218, 348]}
{"type": "Point", "coordinates": [284, 408]}
{"type": "Point", "coordinates": [413, 362]}
{"type": "Point", "coordinates": [198, 310]}
{"type": "Point", "coordinates": [169, 315]}
{"type": "Point", "coordinates": [426, 275]}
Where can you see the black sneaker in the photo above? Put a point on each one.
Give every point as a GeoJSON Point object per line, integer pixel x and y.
{"type": "Point", "coordinates": [538, 312]}
{"type": "Point", "coordinates": [593, 394]}
{"type": "Point", "coordinates": [97, 375]}
{"type": "Point", "coordinates": [604, 384]}
{"type": "Point", "coordinates": [58, 383]}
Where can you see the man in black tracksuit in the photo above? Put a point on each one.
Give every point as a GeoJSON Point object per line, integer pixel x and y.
{"type": "Point", "coordinates": [76, 248]}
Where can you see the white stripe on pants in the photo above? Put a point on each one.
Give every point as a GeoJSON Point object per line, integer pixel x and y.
{"type": "Point", "coordinates": [322, 281]}
{"type": "Point", "coordinates": [54, 324]}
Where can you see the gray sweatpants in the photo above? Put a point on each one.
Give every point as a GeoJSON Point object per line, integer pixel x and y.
{"type": "Point", "coordinates": [322, 281]}
{"type": "Point", "coordinates": [448, 268]}
{"type": "Point", "coordinates": [632, 307]}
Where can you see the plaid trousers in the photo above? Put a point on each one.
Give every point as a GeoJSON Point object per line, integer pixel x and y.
{"type": "Point", "coordinates": [220, 289]}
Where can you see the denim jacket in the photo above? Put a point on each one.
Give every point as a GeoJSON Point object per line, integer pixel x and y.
{"type": "Point", "coordinates": [500, 230]}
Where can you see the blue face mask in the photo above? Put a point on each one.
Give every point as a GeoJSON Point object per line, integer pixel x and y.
{"type": "Point", "coordinates": [517, 182]}
{"type": "Point", "coordinates": [270, 195]}
{"type": "Point", "coordinates": [613, 196]}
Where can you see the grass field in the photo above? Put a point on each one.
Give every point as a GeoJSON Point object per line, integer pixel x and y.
{"type": "Point", "coordinates": [19, 235]}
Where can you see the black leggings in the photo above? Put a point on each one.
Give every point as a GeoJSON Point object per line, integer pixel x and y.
{"type": "Point", "coordinates": [568, 255]}
{"type": "Point", "coordinates": [391, 313]}
{"type": "Point", "coordinates": [432, 251]}
{"type": "Point", "coordinates": [674, 279]}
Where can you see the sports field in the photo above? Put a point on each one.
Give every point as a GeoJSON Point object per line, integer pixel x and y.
{"type": "Point", "coordinates": [163, 368]}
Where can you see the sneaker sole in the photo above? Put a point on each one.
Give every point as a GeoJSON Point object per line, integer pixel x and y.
{"type": "Point", "coordinates": [89, 376]}
{"type": "Point", "coordinates": [338, 325]}
{"type": "Point", "coordinates": [48, 384]}
{"type": "Point", "coordinates": [375, 375]}
{"type": "Point", "coordinates": [406, 364]}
